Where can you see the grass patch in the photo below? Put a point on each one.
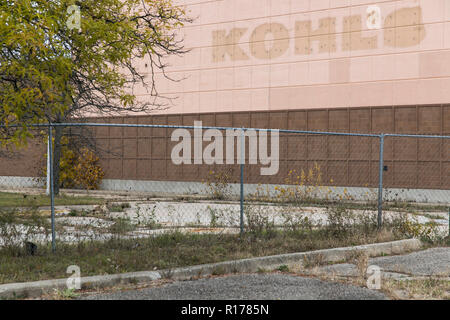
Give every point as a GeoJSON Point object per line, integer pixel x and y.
{"type": "Point", "coordinates": [67, 294]}
{"type": "Point", "coordinates": [314, 260]}
{"type": "Point", "coordinates": [13, 200]}
{"type": "Point", "coordinates": [283, 268]}
{"type": "Point", "coordinates": [119, 207]}
{"type": "Point", "coordinates": [165, 252]}
{"type": "Point", "coordinates": [121, 226]}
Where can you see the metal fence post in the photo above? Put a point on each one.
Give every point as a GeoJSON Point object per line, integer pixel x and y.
{"type": "Point", "coordinates": [52, 193]}
{"type": "Point", "coordinates": [48, 166]}
{"type": "Point", "coordinates": [380, 180]}
{"type": "Point", "coordinates": [242, 161]}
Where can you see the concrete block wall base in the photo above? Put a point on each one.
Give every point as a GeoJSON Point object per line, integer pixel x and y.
{"type": "Point", "coordinates": [432, 196]}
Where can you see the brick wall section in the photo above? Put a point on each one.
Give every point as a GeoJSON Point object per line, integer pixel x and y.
{"type": "Point", "coordinates": [144, 154]}
{"type": "Point", "coordinates": [26, 161]}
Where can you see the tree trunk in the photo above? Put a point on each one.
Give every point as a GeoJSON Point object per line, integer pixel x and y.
{"type": "Point", "coordinates": [56, 158]}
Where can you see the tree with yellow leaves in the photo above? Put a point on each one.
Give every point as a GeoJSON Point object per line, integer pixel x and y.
{"type": "Point", "coordinates": [51, 71]}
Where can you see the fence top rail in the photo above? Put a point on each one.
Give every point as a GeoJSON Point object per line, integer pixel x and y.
{"type": "Point", "coordinates": [415, 136]}
{"type": "Point", "coordinates": [157, 126]}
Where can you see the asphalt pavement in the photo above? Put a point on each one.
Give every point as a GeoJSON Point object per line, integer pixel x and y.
{"type": "Point", "coordinates": [276, 286]}
{"type": "Point", "coordinates": [248, 287]}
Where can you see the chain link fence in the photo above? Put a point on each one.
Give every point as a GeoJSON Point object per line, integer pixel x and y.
{"type": "Point", "coordinates": [200, 178]}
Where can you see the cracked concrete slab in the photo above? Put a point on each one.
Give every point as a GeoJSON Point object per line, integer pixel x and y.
{"type": "Point", "coordinates": [430, 262]}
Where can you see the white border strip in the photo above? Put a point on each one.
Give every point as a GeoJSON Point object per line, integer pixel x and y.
{"type": "Point", "coordinates": [192, 188]}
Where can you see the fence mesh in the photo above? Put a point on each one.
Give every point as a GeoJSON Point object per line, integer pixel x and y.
{"type": "Point", "coordinates": [417, 163]}
{"type": "Point", "coordinates": [159, 178]}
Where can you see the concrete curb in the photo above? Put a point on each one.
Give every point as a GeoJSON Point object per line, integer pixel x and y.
{"type": "Point", "coordinates": [38, 288]}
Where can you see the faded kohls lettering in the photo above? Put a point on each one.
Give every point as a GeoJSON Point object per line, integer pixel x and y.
{"type": "Point", "coordinates": [402, 28]}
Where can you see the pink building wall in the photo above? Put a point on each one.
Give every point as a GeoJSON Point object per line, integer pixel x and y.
{"type": "Point", "coordinates": [249, 55]}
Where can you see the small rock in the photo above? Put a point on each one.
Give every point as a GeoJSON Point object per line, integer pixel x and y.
{"type": "Point", "coordinates": [31, 248]}
{"type": "Point", "coordinates": [100, 209]}
{"type": "Point", "coordinates": [136, 245]}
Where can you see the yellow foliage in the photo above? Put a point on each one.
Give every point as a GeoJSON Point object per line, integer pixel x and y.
{"type": "Point", "coordinates": [89, 173]}
{"type": "Point", "coordinates": [218, 184]}
{"type": "Point", "coordinates": [78, 170]}
{"type": "Point", "coordinates": [67, 171]}
{"type": "Point", "coordinates": [301, 185]}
